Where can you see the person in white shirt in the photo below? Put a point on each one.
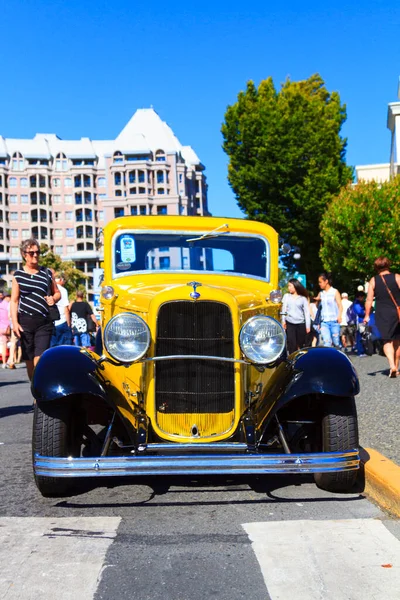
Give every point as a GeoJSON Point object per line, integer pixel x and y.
{"type": "Point", "coordinates": [62, 335]}
{"type": "Point", "coordinates": [346, 330]}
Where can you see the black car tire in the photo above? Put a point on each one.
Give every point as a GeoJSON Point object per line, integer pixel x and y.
{"type": "Point", "coordinates": [53, 436]}
{"type": "Point", "coordinates": [339, 433]}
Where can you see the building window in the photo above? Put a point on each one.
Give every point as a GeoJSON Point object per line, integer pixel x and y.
{"type": "Point", "coordinates": [164, 262]}
{"type": "Point", "coordinates": [70, 249]}
{"type": "Point", "coordinates": [180, 177]}
{"type": "Point", "coordinates": [89, 231]}
{"type": "Point", "coordinates": [88, 214]}
{"type": "Point", "coordinates": [101, 215]}
{"type": "Point", "coordinates": [117, 179]}
{"type": "Point", "coordinates": [14, 234]}
{"type": "Point", "coordinates": [24, 199]}
{"type": "Point", "coordinates": [142, 190]}
{"type": "Point", "coordinates": [142, 210]}
{"type": "Point", "coordinates": [161, 210]}
{"type": "Point", "coordinates": [15, 253]}
{"type": "Point", "coordinates": [80, 247]}
{"type": "Point", "coordinates": [118, 212]}
{"type": "Point", "coordinates": [118, 157]}
{"type": "Point", "coordinates": [68, 182]}
{"type": "Point", "coordinates": [87, 197]}
{"type": "Point", "coordinates": [160, 176]}
{"type": "Point", "coordinates": [17, 163]}
{"type": "Point", "coordinates": [12, 182]}
{"type": "Point", "coordinates": [78, 198]}
{"type": "Point", "coordinates": [70, 232]}
{"type": "Point", "coordinates": [141, 176]}
{"type": "Point", "coordinates": [101, 182]}
{"type": "Point", "coordinates": [132, 191]}
{"type": "Point", "coordinates": [13, 216]}
{"type": "Point", "coordinates": [61, 162]}
{"type": "Point", "coordinates": [56, 199]}
{"type": "Point", "coordinates": [133, 210]}
{"type": "Point", "coordinates": [79, 215]}
{"type": "Point", "coordinates": [69, 215]}
{"type": "Point", "coordinates": [57, 216]}
{"type": "Point", "coordinates": [160, 156]}
{"type": "Point", "coordinates": [13, 199]}
{"type": "Point", "coordinates": [23, 182]}
{"type": "Point", "coordinates": [68, 199]}
{"type": "Point", "coordinates": [25, 216]}
{"type": "Point", "coordinates": [132, 177]}
{"type": "Point", "coordinates": [56, 182]}
{"type": "Point", "coordinates": [160, 191]}
{"type": "Point", "coordinates": [59, 249]}
{"type": "Point", "coordinates": [87, 181]}
{"type": "Point", "coordinates": [25, 234]}
{"type": "Point", "coordinates": [118, 193]}
{"type": "Point", "coordinates": [58, 233]}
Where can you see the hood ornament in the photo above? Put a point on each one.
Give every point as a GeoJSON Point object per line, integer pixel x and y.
{"type": "Point", "coordinates": [194, 285]}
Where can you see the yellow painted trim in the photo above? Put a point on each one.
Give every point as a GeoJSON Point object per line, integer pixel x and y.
{"type": "Point", "coordinates": [382, 480]}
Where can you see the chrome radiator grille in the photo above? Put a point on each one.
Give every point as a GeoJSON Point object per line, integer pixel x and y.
{"type": "Point", "coordinates": [194, 386]}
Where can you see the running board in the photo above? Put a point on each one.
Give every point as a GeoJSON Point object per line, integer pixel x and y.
{"type": "Point", "coordinates": [198, 464]}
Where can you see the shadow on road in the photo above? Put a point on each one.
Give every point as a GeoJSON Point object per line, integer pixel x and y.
{"type": "Point", "coordinates": [9, 411]}
{"type": "Point", "coordinates": [4, 383]}
{"type": "Point", "coordinates": [271, 489]}
{"type": "Point", "coordinates": [384, 372]}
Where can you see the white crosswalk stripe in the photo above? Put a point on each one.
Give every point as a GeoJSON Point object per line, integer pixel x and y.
{"type": "Point", "coordinates": [354, 559]}
{"type": "Point", "coordinates": [59, 558]}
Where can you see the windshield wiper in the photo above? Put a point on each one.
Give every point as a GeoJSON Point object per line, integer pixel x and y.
{"type": "Point", "coordinates": [214, 233]}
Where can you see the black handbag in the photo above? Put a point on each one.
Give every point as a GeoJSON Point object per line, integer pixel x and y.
{"type": "Point", "coordinates": [54, 313]}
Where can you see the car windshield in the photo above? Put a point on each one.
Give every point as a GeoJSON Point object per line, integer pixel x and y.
{"type": "Point", "coordinates": [155, 251]}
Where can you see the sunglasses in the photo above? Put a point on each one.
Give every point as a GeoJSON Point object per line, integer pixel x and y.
{"type": "Point", "coordinates": [33, 252]}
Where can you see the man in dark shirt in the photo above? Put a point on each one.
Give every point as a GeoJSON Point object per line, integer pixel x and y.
{"type": "Point", "coordinates": [81, 312]}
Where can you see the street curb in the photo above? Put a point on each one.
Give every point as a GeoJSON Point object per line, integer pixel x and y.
{"type": "Point", "coordinates": [382, 480]}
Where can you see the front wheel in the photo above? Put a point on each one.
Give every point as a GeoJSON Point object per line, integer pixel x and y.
{"type": "Point", "coordinates": [339, 433]}
{"type": "Point", "coordinates": [53, 435]}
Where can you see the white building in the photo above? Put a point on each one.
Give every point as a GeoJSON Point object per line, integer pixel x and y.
{"type": "Point", "coordinates": [62, 192]}
{"type": "Point", "coordinates": [383, 172]}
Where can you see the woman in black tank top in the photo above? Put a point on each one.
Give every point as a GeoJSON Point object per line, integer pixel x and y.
{"type": "Point", "coordinates": [385, 287]}
{"type": "Point", "coordinates": [30, 300]}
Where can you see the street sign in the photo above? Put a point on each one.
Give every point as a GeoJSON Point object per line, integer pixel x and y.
{"type": "Point", "coordinates": [302, 278]}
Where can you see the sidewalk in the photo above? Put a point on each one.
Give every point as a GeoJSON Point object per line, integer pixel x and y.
{"type": "Point", "coordinates": [378, 406]}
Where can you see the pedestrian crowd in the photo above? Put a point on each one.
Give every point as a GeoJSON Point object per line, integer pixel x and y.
{"type": "Point", "coordinates": [38, 314]}
{"type": "Point", "coordinates": [368, 324]}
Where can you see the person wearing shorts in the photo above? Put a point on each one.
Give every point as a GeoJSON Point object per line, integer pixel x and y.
{"type": "Point", "coordinates": [33, 291]}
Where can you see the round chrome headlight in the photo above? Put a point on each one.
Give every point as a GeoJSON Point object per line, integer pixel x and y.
{"type": "Point", "coordinates": [262, 339]}
{"type": "Point", "coordinates": [127, 337]}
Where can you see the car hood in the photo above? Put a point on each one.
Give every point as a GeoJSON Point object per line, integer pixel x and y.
{"type": "Point", "coordinates": [242, 292]}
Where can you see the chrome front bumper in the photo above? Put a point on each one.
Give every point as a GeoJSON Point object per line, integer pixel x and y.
{"type": "Point", "coordinates": [196, 464]}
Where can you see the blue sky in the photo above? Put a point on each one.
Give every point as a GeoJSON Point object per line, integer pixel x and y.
{"type": "Point", "coordinates": [82, 68]}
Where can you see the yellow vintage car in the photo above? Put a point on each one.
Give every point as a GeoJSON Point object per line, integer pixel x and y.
{"type": "Point", "coordinates": [190, 374]}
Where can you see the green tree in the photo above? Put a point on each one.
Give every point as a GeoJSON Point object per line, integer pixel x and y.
{"type": "Point", "coordinates": [287, 159]}
{"type": "Point", "coordinates": [75, 279]}
{"type": "Point", "coordinates": [362, 223]}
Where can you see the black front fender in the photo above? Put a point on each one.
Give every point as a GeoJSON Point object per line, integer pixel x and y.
{"type": "Point", "coordinates": [323, 371]}
{"type": "Point", "coordinates": [64, 371]}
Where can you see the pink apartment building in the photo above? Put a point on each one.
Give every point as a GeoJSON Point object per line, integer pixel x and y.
{"type": "Point", "coordinates": [63, 192]}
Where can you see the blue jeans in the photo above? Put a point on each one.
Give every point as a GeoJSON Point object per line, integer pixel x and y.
{"type": "Point", "coordinates": [62, 336]}
{"type": "Point", "coordinates": [330, 331]}
{"type": "Point", "coordinates": [82, 339]}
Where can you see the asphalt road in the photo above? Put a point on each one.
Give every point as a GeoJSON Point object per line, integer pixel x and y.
{"type": "Point", "coordinates": [260, 538]}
